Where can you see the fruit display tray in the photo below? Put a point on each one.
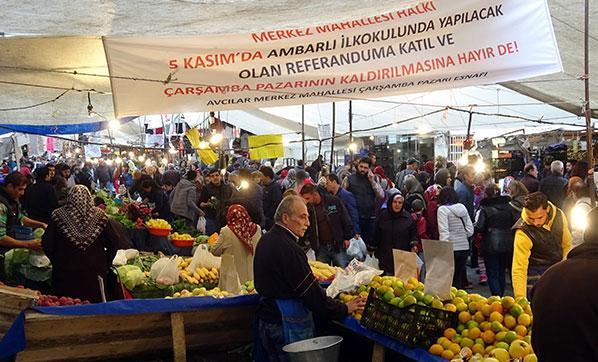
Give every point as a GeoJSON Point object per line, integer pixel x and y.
{"type": "Point", "coordinates": [415, 325]}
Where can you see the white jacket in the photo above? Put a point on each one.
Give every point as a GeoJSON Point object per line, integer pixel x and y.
{"type": "Point", "coordinates": [451, 222]}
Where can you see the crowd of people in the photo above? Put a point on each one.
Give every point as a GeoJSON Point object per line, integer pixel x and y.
{"type": "Point", "coordinates": [270, 220]}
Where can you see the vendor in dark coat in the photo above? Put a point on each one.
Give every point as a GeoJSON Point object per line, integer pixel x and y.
{"type": "Point", "coordinates": [282, 273]}
{"type": "Point", "coordinates": [152, 193]}
{"type": "Point", "coordinates": [395, 229]}
{"type": "Point", "coordinates": [564, 304]}
{"type": "Point", "coordinates": [81, 242]}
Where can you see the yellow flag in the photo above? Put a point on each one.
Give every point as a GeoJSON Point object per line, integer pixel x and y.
{"type": "Point", "coordinates": [205, 153]}
{"type": "Point", "coordinates": [265, 146]}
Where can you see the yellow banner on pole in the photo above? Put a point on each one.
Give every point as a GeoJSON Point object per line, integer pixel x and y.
{"type": "Point", "coordinates": [265, 146]}
{"type": "Point", "coordinates": [203, 149]}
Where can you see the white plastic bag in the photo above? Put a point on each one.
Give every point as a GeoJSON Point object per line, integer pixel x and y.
{"type": "Point", "coordinates": [165, 271]}
{"type": "Point", "coordinates": [311, 255]}
{"type": "Point", "coordinates": [201, 224]}
{"type": "Point", "coordinates": [354, 275]}
{"type": "Point", "coordinates": [357, 249]}
{"type": "Point", "coordinates": [120, 258]}
{"type": "Point", "coordinates": [372, 261]}
{"type": "Point", "coordinates": [203, 258]}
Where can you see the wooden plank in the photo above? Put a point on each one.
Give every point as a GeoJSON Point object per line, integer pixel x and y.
{"type": "Point", "coordinates": [178, 337]}
{"type": "Point", "coordinates": [378, 353]}
{"type": "Point", "coordinates": [113, 349]}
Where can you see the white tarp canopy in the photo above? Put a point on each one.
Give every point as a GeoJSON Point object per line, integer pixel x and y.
{"type": "Point", "coordinates": [67, 39]}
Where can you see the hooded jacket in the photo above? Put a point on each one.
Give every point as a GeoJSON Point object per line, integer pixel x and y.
{"type": "Point", "coordinates": [455, 226]}
{"type": "Point", "coordinates": [393, 231]}
{"type": "Point", "coordinates": [183, 200]}
{"type": "Point", "coordinates": [554, 247]}
{"type": "Point", "coordinates": [567, 286]}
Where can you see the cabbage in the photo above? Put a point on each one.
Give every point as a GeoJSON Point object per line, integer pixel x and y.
{"type": "Point", "coordinates": [131, 276]}
{"type": "Point", "coordinates": [38, 233]}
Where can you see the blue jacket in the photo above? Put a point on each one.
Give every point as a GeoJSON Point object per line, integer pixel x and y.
{"type": "Point", "coordinates": [351, 205]}
{"type": "Point", "coordinates": [465, 194]}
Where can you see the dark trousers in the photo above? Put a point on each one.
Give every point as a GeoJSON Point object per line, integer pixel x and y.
{"type": "Point", "coordinates": [460, 271]}
{"type": "Point", "coordinates": [271, 337]}
{"type": "Point", "coordinates": [496, 266]}
{"type": "Point", "coordinates": [367, 225]}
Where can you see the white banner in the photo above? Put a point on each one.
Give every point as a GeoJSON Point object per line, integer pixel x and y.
{"type": "Point", "coordinates": [429, 46]}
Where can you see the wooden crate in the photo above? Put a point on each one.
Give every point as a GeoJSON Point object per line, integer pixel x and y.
{"type": "Point", "coordinates": [63, 338]}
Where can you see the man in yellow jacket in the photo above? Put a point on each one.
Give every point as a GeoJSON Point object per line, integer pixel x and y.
{"type": "Point", "coordinates": [542, 239]}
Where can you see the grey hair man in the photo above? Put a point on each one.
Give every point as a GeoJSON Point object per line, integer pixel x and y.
{"type": "Point", "coordinates": [554, 186]}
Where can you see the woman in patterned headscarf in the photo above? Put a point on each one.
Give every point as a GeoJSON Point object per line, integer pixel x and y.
{"type": "Point", "coordinates": [81, 241]}
{"type": "Point", "coordinates": [239, 238]}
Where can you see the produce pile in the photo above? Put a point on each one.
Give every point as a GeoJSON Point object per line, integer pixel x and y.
{"type": "Point", "coordinates": [322, 271]}
{"type": "Point", "coordinates": [200, 275]}
{"type": "Point", "coordinates": [490, 329]}
{"type": "Point", "coordinates": [54, 301]}
{"type": "Point", "coordinates": [158, 224]}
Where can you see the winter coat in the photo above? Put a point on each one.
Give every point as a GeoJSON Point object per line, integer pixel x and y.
{"type": "Point", "coordinates": [229, 244]}
{"type": "Point", "coordinates": [39, 201]}
{"type": "Point", "coordinates": [495, 222]}
{"type": "Point", "coordinates": [349, 202]}
{"type": "Point", "coordinates": [531, 183]}
{"type": "Point", "coordinates": [337, 217]}
{"type": "Point", "coordinates": [364, 194]}
{"type": "Point", "coordinates": [183, 200]}
{"type": "Point", "coordinates": [431, 210]}
{"type": "Point", "coordinates": [272, 197]}
{"type": "Point", "coordinates": [455, 226]}
{"type": "Point", "coordinates": [555, 188]}
{"type": "Point", "coordinates": [466, 198]}
{"type": "Point", "coordinates": [393, 231]}
{"type": "Point", "coordinates": [564, 304]}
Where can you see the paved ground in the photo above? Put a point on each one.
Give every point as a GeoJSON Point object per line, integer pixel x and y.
{"type": "Point", "coordinates": [484, 290]}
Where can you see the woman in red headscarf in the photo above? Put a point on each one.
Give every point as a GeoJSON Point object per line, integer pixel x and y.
{"type": "Point", "coordinates": [385, 182]}
{"type": "Point", "coordinates": [239, 238]}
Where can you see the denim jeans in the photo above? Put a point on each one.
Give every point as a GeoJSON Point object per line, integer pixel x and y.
{"type": "Point", "coordinates": [327, 254]}
{"type": "Point", "coordinates": [272, 340]}
{"type": "Point", "coordinates": [460, 268]}
{"type": "Point", "coordinates": [496, 265]}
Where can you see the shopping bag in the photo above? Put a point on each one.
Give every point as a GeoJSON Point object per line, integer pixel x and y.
{"type": "Point", "coordinates": [165, 271]}
{"type": "Point", "coordinates": [354, 275]}
{"type": "Point", "coordinates": [405, 264]}
{"type": "Point", "coordinates": [311, 255]}
{"type": "Point", "coordinates": [203, 258]}
{"type": "Point", "coordinates": [229, 278]}
{"type": "Point", "coordinates": [372, 261]}
{"type": "Point", "coordinates": [357, 249]}
{"type": "Point", "coordinates": [201, 224]}
{"type": "Point", "coordinates": [440, 268]}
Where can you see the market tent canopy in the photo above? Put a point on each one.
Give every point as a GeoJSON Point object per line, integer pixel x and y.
{"type": "Point", "coordinates": [85, 54]}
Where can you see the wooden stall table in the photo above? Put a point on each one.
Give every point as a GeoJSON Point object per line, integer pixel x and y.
{"type": "Point", "coordinates": [138, 327]}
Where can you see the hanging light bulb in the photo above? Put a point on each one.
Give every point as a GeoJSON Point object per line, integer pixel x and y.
{"type": "Point", "coordinates": [244, 184]}
{"type": "Point", "coordinates": [216, 138]}
{"type": "Point", "coordinates": [353, 147]}
{"type": "Point", "coordinates": [371, 138]}
{"type": "Point", "coordinates": [203, 145]}
{"type": "Point", "coordinates": [479, 166]}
